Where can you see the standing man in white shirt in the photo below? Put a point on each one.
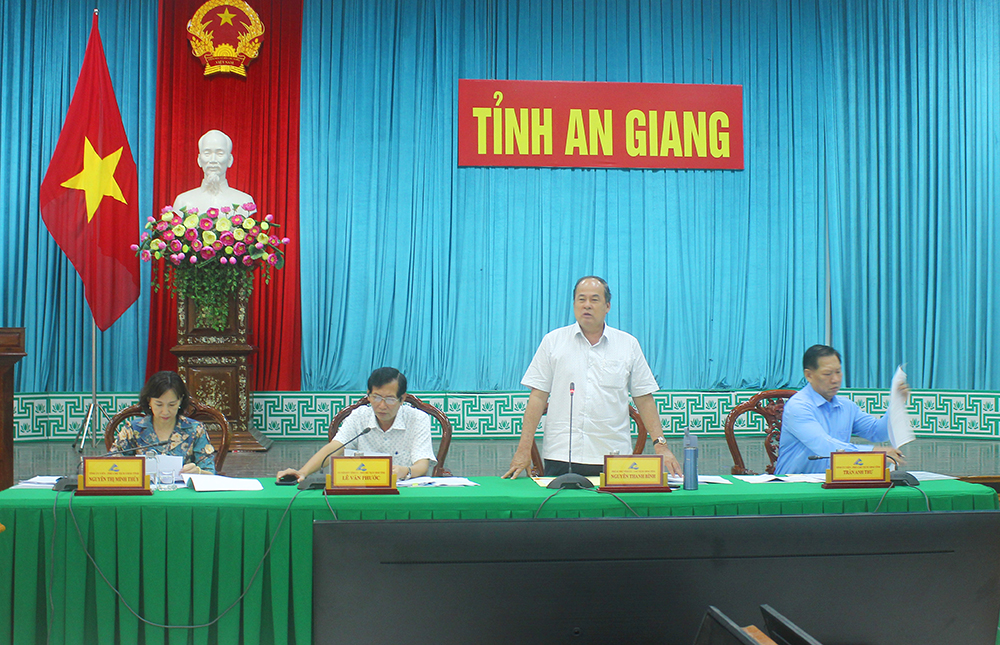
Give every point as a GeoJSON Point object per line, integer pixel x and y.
{"type": "Point", "coordinates": [605, 365]}
{"type": "Point", "coordinates": [395, 429]}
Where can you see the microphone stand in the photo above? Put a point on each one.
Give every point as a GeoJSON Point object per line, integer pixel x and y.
{"type": "Point", "coordinates": [571, 479]}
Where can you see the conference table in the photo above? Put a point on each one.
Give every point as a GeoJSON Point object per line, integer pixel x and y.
{"type": "Point", "coordinates": [183, 557]}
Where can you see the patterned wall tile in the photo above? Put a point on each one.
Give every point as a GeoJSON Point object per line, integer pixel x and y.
{"type": "Point", "coordinates": [307, 415]}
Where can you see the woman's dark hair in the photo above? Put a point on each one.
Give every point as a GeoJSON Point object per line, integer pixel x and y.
{"type": "Point", "coordinates": [384, 375]}
{"type": "Point", "coordinates": [158, 385]}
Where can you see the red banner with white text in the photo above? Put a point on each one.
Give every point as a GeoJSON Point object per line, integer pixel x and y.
{"type": "Point", "coordinates": [600, 125]}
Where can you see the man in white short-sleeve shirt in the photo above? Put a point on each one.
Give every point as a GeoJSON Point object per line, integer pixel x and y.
{"type": "Point", "coordinates": [397, 430]}
{"type": "Point", "coordinates": [604, 365]}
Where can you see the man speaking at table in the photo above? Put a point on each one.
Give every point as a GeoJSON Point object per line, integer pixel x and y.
{"type": "Point", "coordinates": [603, 366]}
{"type": "Point", "coordinates": [816, 422]}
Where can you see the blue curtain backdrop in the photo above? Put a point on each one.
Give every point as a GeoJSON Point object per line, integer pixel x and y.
{"type": "Point", "coordinates": [914, 190]}
{"type": "Point", "coordinates": [871, 130]}
{"type": "Point", "coordinates": [42, 45]}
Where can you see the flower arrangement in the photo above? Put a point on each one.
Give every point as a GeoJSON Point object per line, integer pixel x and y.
{"type": "Point", "coordinates": [209, 256]}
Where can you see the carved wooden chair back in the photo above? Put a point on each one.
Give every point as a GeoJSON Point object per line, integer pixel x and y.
{"type": "Point", "coordinates": [768, 404]}
{"type": "Point", "coordinates": [538, 464]}
{"type": "Point", "coordinates": [214, 421]}
{"type": "Point", "coordinates": [423, 406]}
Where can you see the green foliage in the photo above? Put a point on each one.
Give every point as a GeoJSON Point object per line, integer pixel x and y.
{"type": "Point", "coordinates": [210, 284]}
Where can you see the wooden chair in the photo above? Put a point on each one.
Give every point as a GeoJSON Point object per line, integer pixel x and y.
{"type": "Point", "coordinates": [768, 404]}
{"type": "Point", "coordinates": [538, 464]}
{"type": "Point", "coordinates": [215, 425]}
{"type": "Point", "coordinates": [423, 406]}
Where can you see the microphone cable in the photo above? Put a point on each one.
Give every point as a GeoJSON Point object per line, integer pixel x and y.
{"type": "Point", "coordinates": [97, 568]}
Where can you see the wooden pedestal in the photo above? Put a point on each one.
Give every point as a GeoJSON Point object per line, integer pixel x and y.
{"type": "Point", "coordinates": [11, 351]}
{"type": "Point", "coordinates": [216, 367]}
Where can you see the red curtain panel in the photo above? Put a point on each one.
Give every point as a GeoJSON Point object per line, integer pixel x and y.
{"type": "Point", "coordinates": [260, 113]}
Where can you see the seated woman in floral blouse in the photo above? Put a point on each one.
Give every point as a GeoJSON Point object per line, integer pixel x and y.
{"type": "Point", "coordinates": [162, 399]}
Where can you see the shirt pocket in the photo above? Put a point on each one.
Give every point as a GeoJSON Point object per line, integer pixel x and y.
{"type": "Point", "coordinates": [612, 375]}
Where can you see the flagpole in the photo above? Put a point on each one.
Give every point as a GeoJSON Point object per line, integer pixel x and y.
{"type": "Point", "coordinates": [90, 419]}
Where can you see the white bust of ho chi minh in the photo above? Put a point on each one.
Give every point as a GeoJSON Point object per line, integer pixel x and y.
{"type": "Point", "coordinates": [215, 156]}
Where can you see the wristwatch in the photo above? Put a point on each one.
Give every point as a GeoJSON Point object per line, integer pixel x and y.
{"type": "Point", "coordinates": [660, 440]}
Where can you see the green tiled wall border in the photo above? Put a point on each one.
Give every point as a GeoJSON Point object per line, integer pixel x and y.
{"type": "Point", "coordinates": [306, 415]}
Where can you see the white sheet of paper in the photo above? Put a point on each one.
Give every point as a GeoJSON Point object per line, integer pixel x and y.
{"type": "Point", "coordinates": [438, 482]}
{"type": "Point", "coordinates": [900, 429]}
{"type": "Point", "coordinates": [807, 478]}
{"type": "Point", "coordinates": [212, 483]}
{"type": "Point", "coordinates": [702, 479]}
{"type": "Point", "coordinates": [757, 479]}
{"type": "Point", "coordinates": [925, 476]}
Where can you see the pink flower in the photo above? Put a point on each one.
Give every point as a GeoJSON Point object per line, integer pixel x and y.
{"type": "Point", "coordinates": [223, 261]}
{"type": "Point", "coordinates": [168, 236]}
{"type": "Point", "coordinates": [162, 226]}
{"type": "Point", "coordinates": [134, 247]}
{"type": "Point", "coordinates": [232, 260]}
{"type": "Point", "coordinates": [144, 237]}
{"type": "Point", "coordinates": [249, 207]}
{"type": "Point", "coordinates": [196, 245]}
{"type": "Point", "coordinates": [239, 248]}
{"type": "Point", "coordinates": [180, 256]}
{"type": "Point", "coordinates": [146, 256]}
{"type": "Point", "coordinates": [192, 211]}
{"type": "Point", "coordinates": [227, 238]}
{"type": "Point", "coordinates": [254, 232]}
{"type": "Point", "coordinates": [217, 245]}
{"type": "Point", "coordinates": [285, 240]}
{"type": "Point", "coordinates": [274, 241]}
{"type": "Point", "coordinates": [205, 224]}
{"type": "Point", "coordinates": [236, 220]}
{"type": "Point", "coordinates": [207, 253]}
{"type": "Point", "coordinates": [260, 245]}
{"type": "Point", "coordinates": [176, 246]}
{"type": "Point", "coordinates": [151, 219]}
{"type": "Point", "coordinates": [191, 235]}
{"type": "Point", "coordinates": [272, 259]}
{"type": "Point", "coordinates": [176, 259]}
{"type": "Point", "coordinates": [247, 260]}
{"type": "Point", "coordinates": [176, 220]}
{"type": "Point", "coordinates": [212, 212]}
{"type": "Point", "coordinates": [225, 209]}
{"type": "Point", "coordinates": [193, 259]}
{"type": "Point", "coordinates": [166, 209]}
{"type": "Point", "coordinates": [269, 218]}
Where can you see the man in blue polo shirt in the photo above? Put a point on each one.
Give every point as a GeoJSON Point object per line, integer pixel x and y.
{"type": "Point", "coordinates": [816, 421]}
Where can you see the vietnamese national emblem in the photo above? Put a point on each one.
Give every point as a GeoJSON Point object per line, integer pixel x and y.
{"type": "Point", "coordinates": [225, 35]}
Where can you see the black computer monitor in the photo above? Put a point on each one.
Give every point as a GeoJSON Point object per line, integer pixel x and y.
{"type": "Point", "coordinates": [783, 631]}
{"type": "Point", "coordinates": [719, 629]}
{"type": "Point", "coordinates": [649, 580]}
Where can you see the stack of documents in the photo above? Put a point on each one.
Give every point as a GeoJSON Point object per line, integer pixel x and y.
{"type": "Point", "coordinates": [40, 481]}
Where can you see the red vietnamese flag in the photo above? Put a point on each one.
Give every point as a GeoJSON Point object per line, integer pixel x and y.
{"type": "Point", "coordinates": [89, 198]}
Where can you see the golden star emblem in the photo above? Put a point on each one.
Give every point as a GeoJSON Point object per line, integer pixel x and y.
{"type": "Point", "coordinates": [227, 18]}
{"type": "Point", "coordinates": [97, 179]}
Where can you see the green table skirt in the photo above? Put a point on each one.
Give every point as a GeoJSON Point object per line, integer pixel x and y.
{"type": "Point", "coordinates": [181, 558]}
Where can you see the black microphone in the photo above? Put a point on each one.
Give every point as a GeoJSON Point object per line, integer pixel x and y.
{"type": "Point", "coordinates": [571, 479]}
{"type": "Point", "coordinates": [70, 482]}
{"type": "Point", "coordinates": [315, 482]}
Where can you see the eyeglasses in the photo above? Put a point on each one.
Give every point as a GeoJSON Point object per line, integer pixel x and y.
{"type": "Point", "coordinates": [388, 400]}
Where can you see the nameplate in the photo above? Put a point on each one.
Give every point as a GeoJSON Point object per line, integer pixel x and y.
{"type": "Point", "coordinates": [361, 476]}
{"type": "Point", "coordinates": [114, 476]}
{"type": "Point", "coordinates": [857, 470]}
{"type": "Point", "coordinates": [633, 474]}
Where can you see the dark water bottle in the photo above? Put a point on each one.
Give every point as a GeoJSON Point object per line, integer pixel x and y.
{"type": "Point", "coordinates": [690, 460]}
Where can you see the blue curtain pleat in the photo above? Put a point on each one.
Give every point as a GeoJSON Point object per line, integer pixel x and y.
{"type": "Point", "coordinates": [42, 46]}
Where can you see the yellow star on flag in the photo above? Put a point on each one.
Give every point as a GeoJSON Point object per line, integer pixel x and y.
{"type": "Point", "coordinates": [227, 18]}
{"type": "Point", "coordinates": [97, 179]}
